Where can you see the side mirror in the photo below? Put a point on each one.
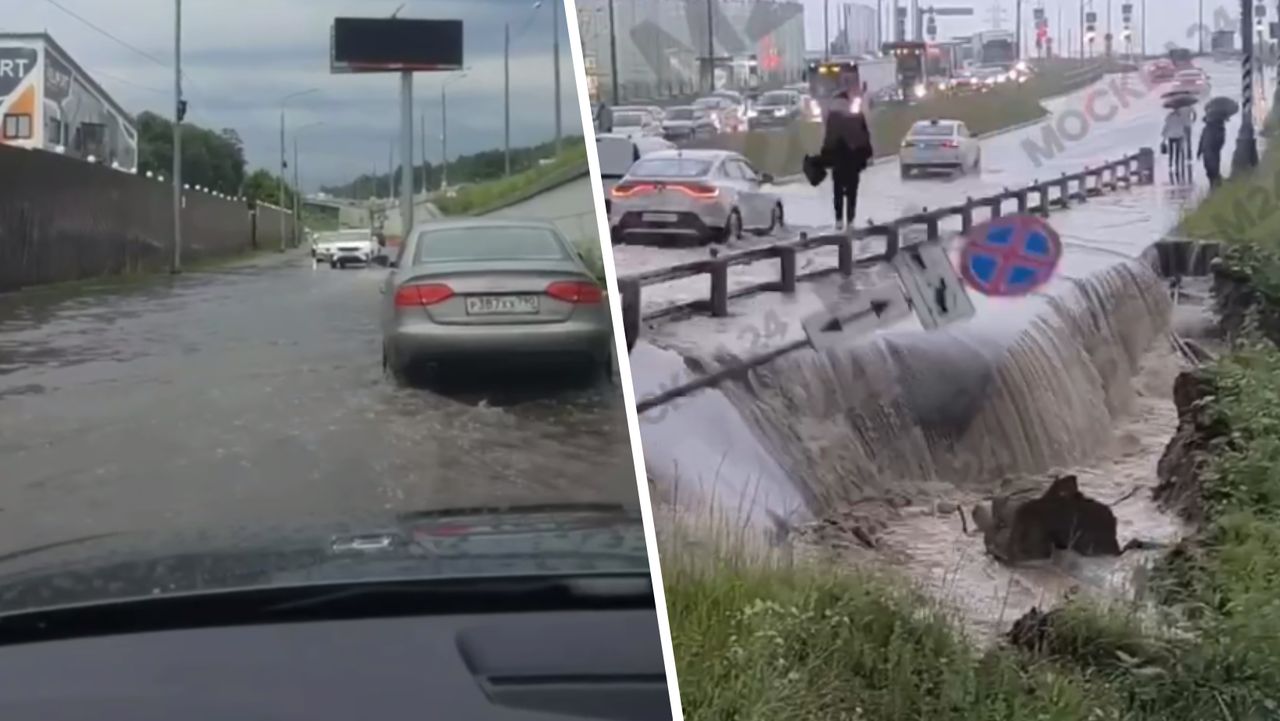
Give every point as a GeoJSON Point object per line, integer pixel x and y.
{"type": "Point", "coordinates": [766, 178]}
{"type": "Point", "coordinates": [392, 264]}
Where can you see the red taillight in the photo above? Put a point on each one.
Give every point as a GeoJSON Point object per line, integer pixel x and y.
{"type": "Point", "coordinates": [574, 291]}
{"type": "Point", "coordinates": [626, 190]}
{"type": "Point", "coordinates": [697, 190]}
{"type": "Point", "coordinates": [950, 144]}
{"type": "Point", "coordinates": [408, 296]}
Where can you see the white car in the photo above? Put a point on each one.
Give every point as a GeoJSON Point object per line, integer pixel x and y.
{"type": "Point", "coordinates": [618, 153]}
{"type": "Point", "coordinates": [707, 195]}
{"type": "Point", "coordinates": [345, 247]}
{"type": "Point", "coordinates": [653, 110]}
{"type": "Point", "coordinates": [636, 124]}
{"type": "Point", "coordinates": [939, 145]}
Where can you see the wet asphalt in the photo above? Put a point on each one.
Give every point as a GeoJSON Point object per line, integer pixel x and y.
{"type": "Point", "coordinates": [253, 395]}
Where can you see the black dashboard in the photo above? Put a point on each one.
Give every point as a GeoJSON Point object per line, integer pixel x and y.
{"type": "Point", "coordinates": [537, 666]}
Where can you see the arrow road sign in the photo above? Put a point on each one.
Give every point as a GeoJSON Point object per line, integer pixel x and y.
{"type": "Point", "coordinates": [1010, 256]}
{"type": "Point", "coordinates": [936, 292]}
{"type": "Point", "coordinates": [870, 310]}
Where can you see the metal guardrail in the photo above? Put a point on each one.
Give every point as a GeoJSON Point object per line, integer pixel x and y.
{"type": "Point", "coordinates": [1138, 167]}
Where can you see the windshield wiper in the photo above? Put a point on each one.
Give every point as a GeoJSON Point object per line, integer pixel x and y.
{"type": "Point", "coordinates": [532, 508]}
{"type": "Point", "coordinates": [32, 550]}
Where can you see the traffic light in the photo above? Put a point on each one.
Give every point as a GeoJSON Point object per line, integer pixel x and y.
{"type": "Point", "coordinates": [931, 27]}
{"type": "Point", "coordinates": [1090, 26]}
{"type": "Point", "coordinates": [182, 110]}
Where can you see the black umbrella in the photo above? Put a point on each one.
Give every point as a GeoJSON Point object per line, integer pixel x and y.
{"type": "Point", "coordinates": [1180, 100]}
{"type": "Point", "coordinates": [1221, 107]}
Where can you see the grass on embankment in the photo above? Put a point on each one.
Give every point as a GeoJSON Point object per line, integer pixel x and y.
{"type": "Point", "coordinates": [486, 197]}
{"type": "Point", "coordinates": [1244, 209]}
{"type": "Point", "coordinates": [781, 152]}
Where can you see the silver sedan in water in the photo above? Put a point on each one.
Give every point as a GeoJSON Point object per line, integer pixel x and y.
{"type": "Point", "coordinates": [480, 291]}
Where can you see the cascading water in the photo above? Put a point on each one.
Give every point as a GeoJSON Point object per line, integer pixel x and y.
{"type": "Point", "coordinates": [1048, 382]}
{"type": "Point", "coordinates": [1008, 394]}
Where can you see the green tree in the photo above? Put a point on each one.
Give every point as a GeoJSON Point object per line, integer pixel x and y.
{"type": "Point", "coordinates": [210, 159]}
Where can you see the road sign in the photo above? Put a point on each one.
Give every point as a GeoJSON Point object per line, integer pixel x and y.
{"type": "Point", "coordinates": [867, 311]}
{"type": "Point", "coordinates": [1010, 256]}
{"type": "Point", "coordinates": [934, 288]}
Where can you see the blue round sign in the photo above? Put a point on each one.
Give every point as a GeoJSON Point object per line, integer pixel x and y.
{"type": "Point", "coordinates": [1010, 256]}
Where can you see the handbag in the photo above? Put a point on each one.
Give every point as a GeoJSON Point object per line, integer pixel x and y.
{"type": "Point", "coordinates": [1164, 147]}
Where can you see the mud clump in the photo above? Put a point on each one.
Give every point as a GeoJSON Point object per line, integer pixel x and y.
{"type": "Point", "coordinates": [1016, 531]}
{"type": "Point", "coordinates": [1182, 465]}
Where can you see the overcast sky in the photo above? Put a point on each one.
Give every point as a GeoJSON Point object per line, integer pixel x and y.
{"type": "Point", "coordinates": [241, 56]}
{"type": "Point", "coordinates": [1170, 19]}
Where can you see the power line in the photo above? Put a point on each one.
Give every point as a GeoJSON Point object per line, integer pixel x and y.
{"type": "Point", "coordinates": [140, 86]}
{"type": "Point", "coordinates": [104, 33]}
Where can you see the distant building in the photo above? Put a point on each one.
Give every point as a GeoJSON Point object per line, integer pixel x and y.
{"type": "Point", "coordinates": [858, 31]}
{"type": "Point", "coordinates": [49, 102]}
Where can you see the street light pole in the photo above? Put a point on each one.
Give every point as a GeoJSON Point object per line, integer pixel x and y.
{"type": "Point", "coordinates": [506, 99]}
{"type": "Point", "coordinates": [1245, 157]}
{"type": "Point", "coordinates": [826, 29]}
{"type": "Point", "coordinates": [444, 138]}
{"type": "Point", "coordinates": [281, 182]}
{"type": "Point", "coordinates": [176, 266]}
{"type": "Point", "coordinates": [555, 55]}
{"type": "Point", "coordinates": [406, 153]}
{"type": "Point", "coordinates": [613, 55]}
{"type": "Point", "coordinates": [710, 69]}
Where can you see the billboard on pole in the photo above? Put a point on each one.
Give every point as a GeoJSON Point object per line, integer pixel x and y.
{"type": "Point", "coordinates": [380, 45]}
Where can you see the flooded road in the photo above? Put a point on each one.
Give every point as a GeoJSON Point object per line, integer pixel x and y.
{"type": "Point", "coordinates": [253, 395]}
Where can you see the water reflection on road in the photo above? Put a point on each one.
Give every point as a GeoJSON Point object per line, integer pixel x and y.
{"type": "Point", "coordinates": [253, 395]}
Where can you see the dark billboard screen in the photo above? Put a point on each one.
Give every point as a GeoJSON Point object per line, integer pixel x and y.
{"type": "Point", "coordinates": [392, 44]}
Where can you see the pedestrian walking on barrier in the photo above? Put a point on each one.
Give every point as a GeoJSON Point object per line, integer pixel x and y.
{"type": "Point", "coordinates": [846, 150]}
{"type": "Point", "coordinates": [1212, 138]}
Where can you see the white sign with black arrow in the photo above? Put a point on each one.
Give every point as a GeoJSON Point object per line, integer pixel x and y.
{"type": "Point", "coordinates": [936, 292]}
{"type": "Point", "coordinates": [867, 311]}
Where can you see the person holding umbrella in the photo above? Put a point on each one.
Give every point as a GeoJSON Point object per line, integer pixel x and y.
{"type": "Point", "coordinates": [1177, 133]}
{"type": "Point", "coordinates": [1214, 136]}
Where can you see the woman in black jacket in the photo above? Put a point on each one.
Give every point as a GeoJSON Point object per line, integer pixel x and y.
{"type": "Point", "coordinates": [846, 150]}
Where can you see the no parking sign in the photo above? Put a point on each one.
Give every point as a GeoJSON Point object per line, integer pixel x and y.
{"type": "Point", "coordinates": [1010, 256]}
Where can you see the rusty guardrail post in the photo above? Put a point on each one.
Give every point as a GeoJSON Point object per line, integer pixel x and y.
{"type": "Point", "coordinates": [1084, 185]}
{"type": "Point", "coordinates": [931, 229]}
{"type": "Point", "coordinates": [995, 203]}
{"type": "Point", "coordinates": [629, 289]}
{"type": "Point", "coordinates": [1045, 203]}
{"type": "Point", "coordinates": [787, 255]}
{"type": "Point", "coordinates": [1146, 166]}
{"type": "Point", "coordinates": [719, 288]}
{"type": "Point", "coordinates": [966, 214]}
{"type": "Point", "coordinates": [1064, 186]}
{"type": "Point", "coordinates": [844, 248]}
{"type": "Point", "coordinates": [1022, 200]}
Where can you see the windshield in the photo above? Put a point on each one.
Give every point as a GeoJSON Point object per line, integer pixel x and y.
{"type": "Point", "coordinates": [710, 103]}
{"type": "Point", "coordinates": [671, 167]}
{"type": "Point", "coordinates": [928, 130]}
{"type": "Point", "coordinates": [777, 99]}
{"type": "Point", "coordinates": [628, 120]}
{"type": "Point", "coordinates": [682, 114]}
{"type": "Point", "coordinates": [489, 243]}
{"type": "Point", "coordinates": [261, 382]}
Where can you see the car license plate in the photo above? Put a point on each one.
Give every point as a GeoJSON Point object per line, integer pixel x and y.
{"type": "Point", "coordinates": [660, 217]}
{"type": "Point", "coordinates": [502, 305]}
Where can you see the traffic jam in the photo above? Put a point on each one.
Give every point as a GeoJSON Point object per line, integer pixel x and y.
{"type": "Point", "coordinates": [681, 175]}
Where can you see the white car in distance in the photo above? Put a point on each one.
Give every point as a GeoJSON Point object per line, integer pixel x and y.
{"type": "Point", "coordinates": [939, 145]}
{"type": "Point", "coordinates": [345, 247]}
{"type": "Point", "coordinates": [705, 195]}
{"type": "Point", "coordinates": [636, 125]}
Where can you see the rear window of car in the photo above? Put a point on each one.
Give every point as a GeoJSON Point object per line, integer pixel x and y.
{"type": "Point", "coordinates": [929, 130]}
{"type": "Point", "coordinates": [628, 119]}
{"type": "Point", "coordinates": [671, 167]}
{"type": "Point", "coordinates": [681, 114]}
{"type": "Point", "coordinates": [777, 99]}
{"type": "Point", "coordinates": [710, 102]}
{"type": "Point", "coordinates": [482, 243]}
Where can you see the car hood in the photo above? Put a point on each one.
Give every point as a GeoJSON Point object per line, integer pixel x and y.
{"type": "Point", "coordinates": [455, 543]}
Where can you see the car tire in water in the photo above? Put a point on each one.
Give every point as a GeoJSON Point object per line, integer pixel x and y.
{"type": "Point", "coordinates": [333, 264]}
{"type": "Point", "coordinates": [906, 171]}
{"type": "Point", "coordinates": [732, 227]}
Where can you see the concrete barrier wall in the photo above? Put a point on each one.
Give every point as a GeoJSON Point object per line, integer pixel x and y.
{"type": "Point", "coordinates": [63, 219]}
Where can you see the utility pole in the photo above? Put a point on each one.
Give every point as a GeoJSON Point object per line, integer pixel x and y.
{"type": "Point", "coordinates": [423, 138]}
{"type": "Point", "coordinates": [1245, 158]}
{"type": "Point", "coordinates": [613, 55]}
{"type": "Point", "coordinates": [391, 172]}
{"type": "Point", "coordinates": [297, 205]}
{"type": "Point", "coordinates": [178, 112]}
{"type": "Point", "coordinates": [444, 138]}
{"type": "Point", "coordinates": [406, 153]}
{"type": "Point", "coordinates": [1017, 21]}
{"type": "Point", "coordinates": [1199, 28]}
{"type": "Point", "coordinates": [826, 29]}
{"type": "Point", "coordinates": [710, 69]}
{"type": "Point", "coordinates": [1082, 50]}
{"type": "Point", "coordinates": [555, 56]}
{"type": "Point", "coordinates": [280, 184]}
{"type": "Point", "coordinates": [506, 101]}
